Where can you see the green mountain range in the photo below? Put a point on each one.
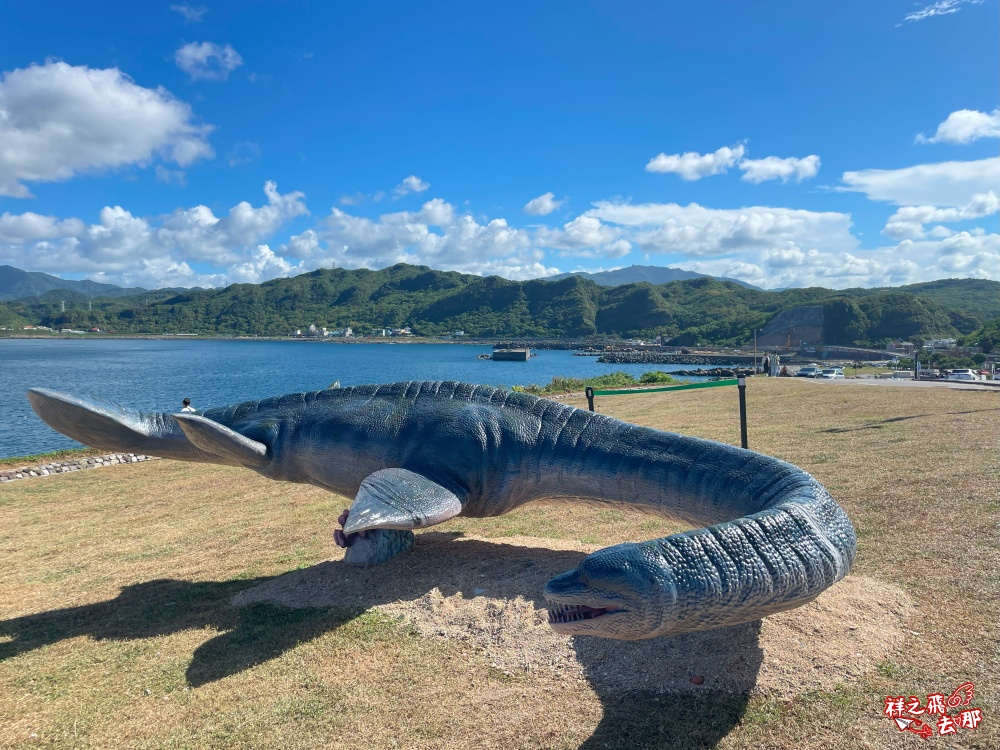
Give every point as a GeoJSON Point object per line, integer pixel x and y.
{"type": "Point", "coordinates": [694, 311]}
{"type": "Point", "coordinates": [16, 284]}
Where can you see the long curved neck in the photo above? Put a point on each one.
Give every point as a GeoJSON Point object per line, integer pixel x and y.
{"type": "Point", "coordinates": [696, 481]}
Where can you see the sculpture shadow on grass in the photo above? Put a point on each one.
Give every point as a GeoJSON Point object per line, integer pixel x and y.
{"type": "Point", "coordinates": [151, 609]}
{"type": "Point", "coordinates": [644, 687]}
{"type": "Point", "coordinates": [671, 712]}
{"type": "Point", "coordinates": [883, 422]}
{"type": "Point", "coordinates": [875, 425]}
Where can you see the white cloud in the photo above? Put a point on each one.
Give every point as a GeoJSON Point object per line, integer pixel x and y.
{"type": "Point", "coordinates": [261, 265]}
{"type": "Point", "coordinates": [908, 222]}
{"type": "Point", "coordinates": [776, 168]}
{"type": "Point", "coordinates": [585, 236]}
{"type": "Point", "coordinates": [191, 13]}
{"type": "Point", "coordinates": [950, 183]}
{"type": "Point", "coordinates": [461, 243]}
{"type": "Point", "coordinates": [940, 8]}
{"type": "Point", "coordinates": [764, 245]}
{"type": "Point", "coordinates": [411, 184]}
{"type": "Point", "coordinates": [965, 254]}
{"type": "Point", "coordinates": [57, 120]}
{"type": "Point", "coordinates": [305, 246]}
{"type": "Point", "coordinates": [206, 60]}
{"type": "Point", "coordinates": [17, 229]}
{"type": "Point", "coordinates": [130, 250]}
{"type": "Point", "coordinates": [437, 212]}
{"type": "Point", "coordinates": [153, 273]}
{"type": "Point", "coordinates": [543, 205]}
{"type": "Point", "coordinates": [617, 249]}
{"type": "Point", "coordinates": [695, 230]}
{"type": "Point", "coordinates": [965, 126]}
{"type": "Point", "coordinates": [694, 166]}
{"type": "Point", "coordinates": [197, 234]}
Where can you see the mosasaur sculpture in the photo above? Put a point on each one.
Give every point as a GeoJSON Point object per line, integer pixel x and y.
{"type": "Point", "coordinates": [769, 537]}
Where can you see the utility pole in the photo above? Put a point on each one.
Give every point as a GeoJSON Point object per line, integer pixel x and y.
{"type": "Point", "coordinates": [754, 351]}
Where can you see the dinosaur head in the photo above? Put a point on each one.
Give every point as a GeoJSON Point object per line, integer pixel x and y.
{"type": "Point", "coordinates": [623, 592]}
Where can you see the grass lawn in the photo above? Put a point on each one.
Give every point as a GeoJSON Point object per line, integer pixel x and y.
{"type": "Point", "coordinates": [117, 631]}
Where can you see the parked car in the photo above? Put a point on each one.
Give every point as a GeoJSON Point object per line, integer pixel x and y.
{"type": "Point", "coordinates": [809, 371]}
{"type": "Point", "coordinates": [962, 374]}
{"type": "Point", "coordinates": [832, 373]}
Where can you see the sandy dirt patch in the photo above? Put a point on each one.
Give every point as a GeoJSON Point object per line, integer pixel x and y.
{"type": "Point", "coordinates": [486, 594]}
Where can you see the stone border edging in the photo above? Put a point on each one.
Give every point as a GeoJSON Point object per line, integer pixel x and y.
{"type": "Point", "coordinates": [64, 467]}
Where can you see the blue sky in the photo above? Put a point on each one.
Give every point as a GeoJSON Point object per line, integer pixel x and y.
{"type": "Point", "coordinates": [786, 144]}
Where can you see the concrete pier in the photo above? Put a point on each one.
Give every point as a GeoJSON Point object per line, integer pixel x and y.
{"type": "Point", "coordinates": [511, 355]}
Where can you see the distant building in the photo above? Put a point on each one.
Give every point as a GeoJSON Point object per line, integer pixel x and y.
{"type": "Point", "coordinates": [939, 344]}
{"type": "Point", "coordinates": [903, 347]}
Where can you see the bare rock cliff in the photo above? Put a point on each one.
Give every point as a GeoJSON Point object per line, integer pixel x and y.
{"type": "Point", "coordinates": [789, 327]}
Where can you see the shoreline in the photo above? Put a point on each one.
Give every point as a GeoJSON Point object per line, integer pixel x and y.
{"type": "Point", "coordinates": [77, 464]}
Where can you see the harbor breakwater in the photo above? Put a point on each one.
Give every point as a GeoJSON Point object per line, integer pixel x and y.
{"type": "Point", "coordinates": [662, 358]}
{"type": "Point", "coordinates": [715, 372]}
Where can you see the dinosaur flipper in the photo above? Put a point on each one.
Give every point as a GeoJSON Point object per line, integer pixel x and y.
{"type": "Point", "coordinates": [400, 499]}
{"type": "Point", "coordinates": [229, 446]}
{"type": "Point", "coordinates": [114, 428]}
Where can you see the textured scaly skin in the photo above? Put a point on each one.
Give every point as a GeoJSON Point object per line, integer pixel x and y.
{"type": "Point", "coordinates": [768, 536]}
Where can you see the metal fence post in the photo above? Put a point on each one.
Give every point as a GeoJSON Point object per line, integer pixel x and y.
{"type": "Point", "coordinates": [590, 397]}
{"type": "Point", "coordinates": [741, 386]}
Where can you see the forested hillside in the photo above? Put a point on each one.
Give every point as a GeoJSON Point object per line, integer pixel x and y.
{"type": "Point", "coordinates": [695, 311]}
{"type": "Point", "coordinates": [8, 319]}
{"type": "Point", "coordinates": [987, 337]}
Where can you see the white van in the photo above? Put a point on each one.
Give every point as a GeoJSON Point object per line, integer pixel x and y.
{"type": "Point", "coordinates": [963, 374]}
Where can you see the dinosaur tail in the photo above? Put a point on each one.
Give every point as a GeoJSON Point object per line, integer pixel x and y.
{"type": "Point", "coordinates": [114, 428]}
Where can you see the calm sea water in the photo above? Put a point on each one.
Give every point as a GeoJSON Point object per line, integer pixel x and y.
{"type": "Point", "coordinates": [156, 375]}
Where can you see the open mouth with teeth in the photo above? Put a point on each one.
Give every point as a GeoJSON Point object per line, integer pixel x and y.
{"type": "Point", "coordinates": [564, 613]}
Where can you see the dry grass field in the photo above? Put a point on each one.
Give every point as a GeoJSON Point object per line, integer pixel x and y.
{"type": "Point", "coordinates": [169, 605]}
